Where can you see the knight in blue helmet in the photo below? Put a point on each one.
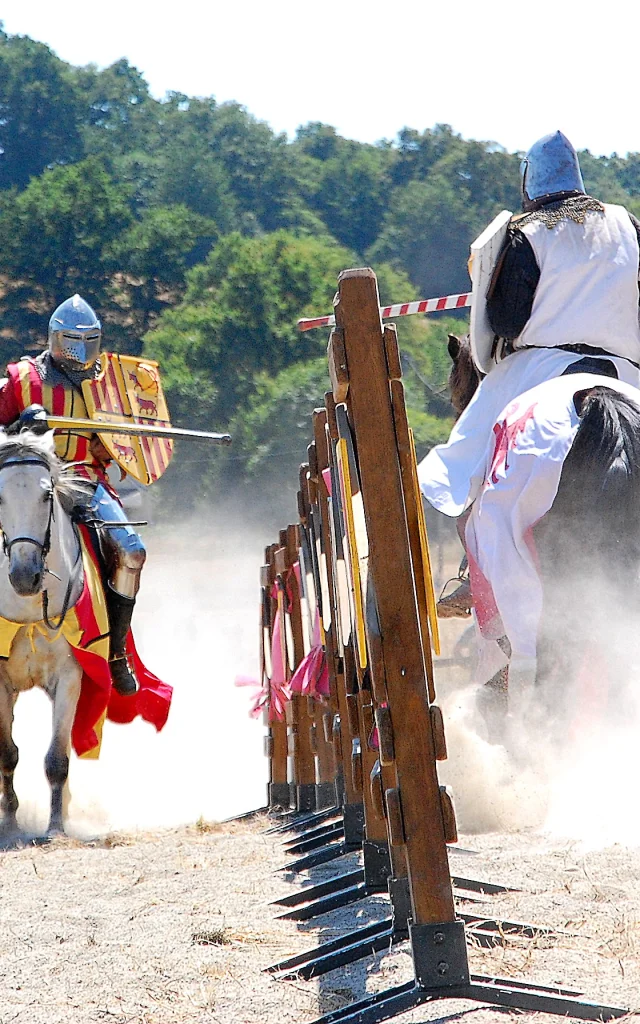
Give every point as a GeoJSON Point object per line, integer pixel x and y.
{"type": "Point", "coordinates": [568, 275]}
{"type": "Point", "coordinates": [563, 298]}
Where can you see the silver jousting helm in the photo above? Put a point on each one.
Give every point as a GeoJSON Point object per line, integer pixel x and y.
{"type": "Point", "coordinates": [74, 335]}
{"type": "Point", "coordinates": [550, 166]}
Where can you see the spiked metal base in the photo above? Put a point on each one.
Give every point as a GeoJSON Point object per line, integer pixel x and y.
{"type": "Point", "coordinates": [377, 865]}
{"type": "Point", "coordinates": [306, 797]}
{"type": "Point", "coordinates": [323, 856]}
{"type": "Point", "coordinates": [495, 991]}
{"type": "Point", "coordinates": [325, 794]}
{"type": "Point", "coordinates": [246, 815]}
{"type": "Point", "coordinates": [353, 824]}
{"type": "Point", "coordinates": [316, 838]}
{"type": "Point", "coordinates": [279, 795]}
{"type": "Point", "coordinates": [381, 935]}
{"type": "Point", "coordinates": [301, 822]}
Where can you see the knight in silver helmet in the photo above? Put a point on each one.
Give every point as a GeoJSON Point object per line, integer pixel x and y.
{"type": "Point", "coordinates": [563, 298]}
{"type": "Point", "coordinates": [53, 382]}
{"type": "Point", "coordinates": [75, 334]}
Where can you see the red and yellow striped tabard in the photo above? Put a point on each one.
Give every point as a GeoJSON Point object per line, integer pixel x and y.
{"type": "Point", "coordinates": [59, 400]}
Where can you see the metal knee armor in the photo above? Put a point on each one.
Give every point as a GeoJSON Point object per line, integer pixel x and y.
{"type": "Point", "coordinates": [122, 548]}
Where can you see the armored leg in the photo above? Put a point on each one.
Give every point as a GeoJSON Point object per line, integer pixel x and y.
{"type": "Point", "coordinates": [124, 555]}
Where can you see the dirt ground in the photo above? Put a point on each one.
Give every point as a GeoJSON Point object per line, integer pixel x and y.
{"type": "Point", "coordinates": [172, 926]}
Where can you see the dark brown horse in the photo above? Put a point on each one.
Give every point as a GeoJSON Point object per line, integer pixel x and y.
{"type": "Point", "coordinates": [464, 376]}
{"type": "Point", "coordinates": [588, 547]}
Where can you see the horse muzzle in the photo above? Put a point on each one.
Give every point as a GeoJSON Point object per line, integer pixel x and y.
{"type": "Point", "coordinates": [26, 569]}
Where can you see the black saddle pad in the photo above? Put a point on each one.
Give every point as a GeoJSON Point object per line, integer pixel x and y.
{"type": "Point", "coordinates": [592, 364]}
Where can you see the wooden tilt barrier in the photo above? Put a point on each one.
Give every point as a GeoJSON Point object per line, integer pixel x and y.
{"type": "Point", "coordinates": [278, 793]}
{"type": "Point", "coordinates": [364, 532]}
{"type": "Point", "coordinates": [300, 755]}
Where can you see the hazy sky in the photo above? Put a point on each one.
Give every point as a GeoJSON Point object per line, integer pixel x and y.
{"type": "Point", "coordinates": [499, 69]}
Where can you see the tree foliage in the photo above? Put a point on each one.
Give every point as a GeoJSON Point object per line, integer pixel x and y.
{"type": "Point", "coordinates": [39, 111]}
{"type": "Point", "coordinates": [238, 319]}
{"type": "Point", "coordinates": [203, 235]}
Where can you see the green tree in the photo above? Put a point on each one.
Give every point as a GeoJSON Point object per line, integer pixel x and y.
{"type": "Point", "coordinates": [427, 231]}
{"type": "Point", "coordinates": [39, 111]}
{"type": "Point", "coordinates": [271, 433]}
{"type": "Point", "coordinates": [55, 239]}
{"type": "Point", "coordinates": [119, 114]}
{"type": "Point", "coordinates": [238, 318]}
{"type": "Point", "coordinates": [419, 152]}
{"type": "Point", "coordinates": [152, 256]}
{"type": "Point", "coordinates": [607, 178]}
{"type": "Point", "coordinates": [352, 194]}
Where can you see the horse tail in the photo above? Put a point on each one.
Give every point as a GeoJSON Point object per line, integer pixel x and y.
{"type": "Point", "coordinates": [600, 484]}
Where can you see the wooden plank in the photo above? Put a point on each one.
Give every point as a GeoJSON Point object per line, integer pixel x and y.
{"type": "Point", "coordinates": [278, 730]}
{"type": "Point", "coordinates": [336, 661]}
{"type": "Point", "coordinates": [411, 499]}
{"type": "Point", "coordinates": [305, 770]}
{"type": "Point", "coordinates": [415, 804]}
{"type": "Point", "coordinates": [338, 370]}
{"type": "Point", "coordinates": [360, 696]}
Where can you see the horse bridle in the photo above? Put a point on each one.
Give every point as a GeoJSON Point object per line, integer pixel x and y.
{"type": "Point", "coordinates": [44, 545]}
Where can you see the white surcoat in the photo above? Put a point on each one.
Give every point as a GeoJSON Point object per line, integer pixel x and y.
{"type": "Point", "coordinates": [587, 295]}
{"type": "Point", "coordinates": [588, 288]}
{"type": "Point", "coordinates": [522, 468]}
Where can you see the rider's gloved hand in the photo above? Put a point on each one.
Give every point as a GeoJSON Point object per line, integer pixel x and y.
{"type": "Point", "coordinates": [33, 418]}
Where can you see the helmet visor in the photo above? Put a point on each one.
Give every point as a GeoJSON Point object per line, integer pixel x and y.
{"type": "Point", "coordinates": [76, 351]}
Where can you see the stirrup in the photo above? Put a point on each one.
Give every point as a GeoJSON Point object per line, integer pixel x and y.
{"type": "Point", "coordinates": [124, 681]}
{"type": "Point", "coordinates": [458, 604]}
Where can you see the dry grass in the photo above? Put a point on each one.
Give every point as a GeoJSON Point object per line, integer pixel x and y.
{"type": "Point", "coordinates": [174, 926]}
{"type": "Point", "coordinates": [213, 937]}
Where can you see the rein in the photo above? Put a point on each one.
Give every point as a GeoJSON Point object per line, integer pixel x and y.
{"type": "Point", "coordinates": [45, 546]}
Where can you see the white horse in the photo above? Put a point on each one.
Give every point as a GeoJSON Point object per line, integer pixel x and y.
{"type": "Point", "coordinates": [41, 578]}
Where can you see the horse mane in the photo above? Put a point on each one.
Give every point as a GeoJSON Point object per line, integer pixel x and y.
{"type": "Point", "coordinates": [70, 488]}
{"type": "Point", "coordinates": [606, 451]}
{"type": "Point", "coordinates": [599, 493]}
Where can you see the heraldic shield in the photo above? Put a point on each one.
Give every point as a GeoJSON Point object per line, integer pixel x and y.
{"type": "Point", "coordinates": [129, 389]}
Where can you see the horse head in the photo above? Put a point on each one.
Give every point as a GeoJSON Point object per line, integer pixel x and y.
{"type": "Point", "coordinates": [30, 479]}
{"type": "Point", "coordinates": [465, 375]}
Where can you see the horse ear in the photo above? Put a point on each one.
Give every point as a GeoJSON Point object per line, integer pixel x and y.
{"type": "Point", "coordinates": [49, 441]}
{"type": "Point", "coordinates": [453, 347]}
{"type": "Point", "coordinates": [580, 398]}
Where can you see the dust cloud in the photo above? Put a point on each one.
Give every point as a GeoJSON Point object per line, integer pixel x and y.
{"type": "Point", "coordinates": [196, 626]}
{"type": "Point", "coordinates": [570, 771]}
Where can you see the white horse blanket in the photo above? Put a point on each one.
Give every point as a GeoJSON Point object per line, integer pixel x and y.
{"type": "Point", "coordinates": [521, 472]}
{"type": "Point", "coordinates": [452, 474]}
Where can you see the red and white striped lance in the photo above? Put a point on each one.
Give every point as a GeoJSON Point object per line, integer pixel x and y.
{"type": "Point", "coordinates": [400, 309]}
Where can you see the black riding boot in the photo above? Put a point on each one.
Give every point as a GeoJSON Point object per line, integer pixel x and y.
{"type": "Point", "coordinates": [120, 611]}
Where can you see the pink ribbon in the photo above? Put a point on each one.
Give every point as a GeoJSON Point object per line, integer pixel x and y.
{"type": "Point", "coordinates": [279, 689]}
{"type": "Point", "coordinates": [259, 699]}
{"type": "Point", "coordinates": [311, 677]}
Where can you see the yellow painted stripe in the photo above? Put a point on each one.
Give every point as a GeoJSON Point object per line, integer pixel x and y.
{"type": "Point", "coordinates": [352, 548]}
{"type": "Point", "coordinates": [427, 574]}
{"type": "Point", "coordinates": [25, 384]}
